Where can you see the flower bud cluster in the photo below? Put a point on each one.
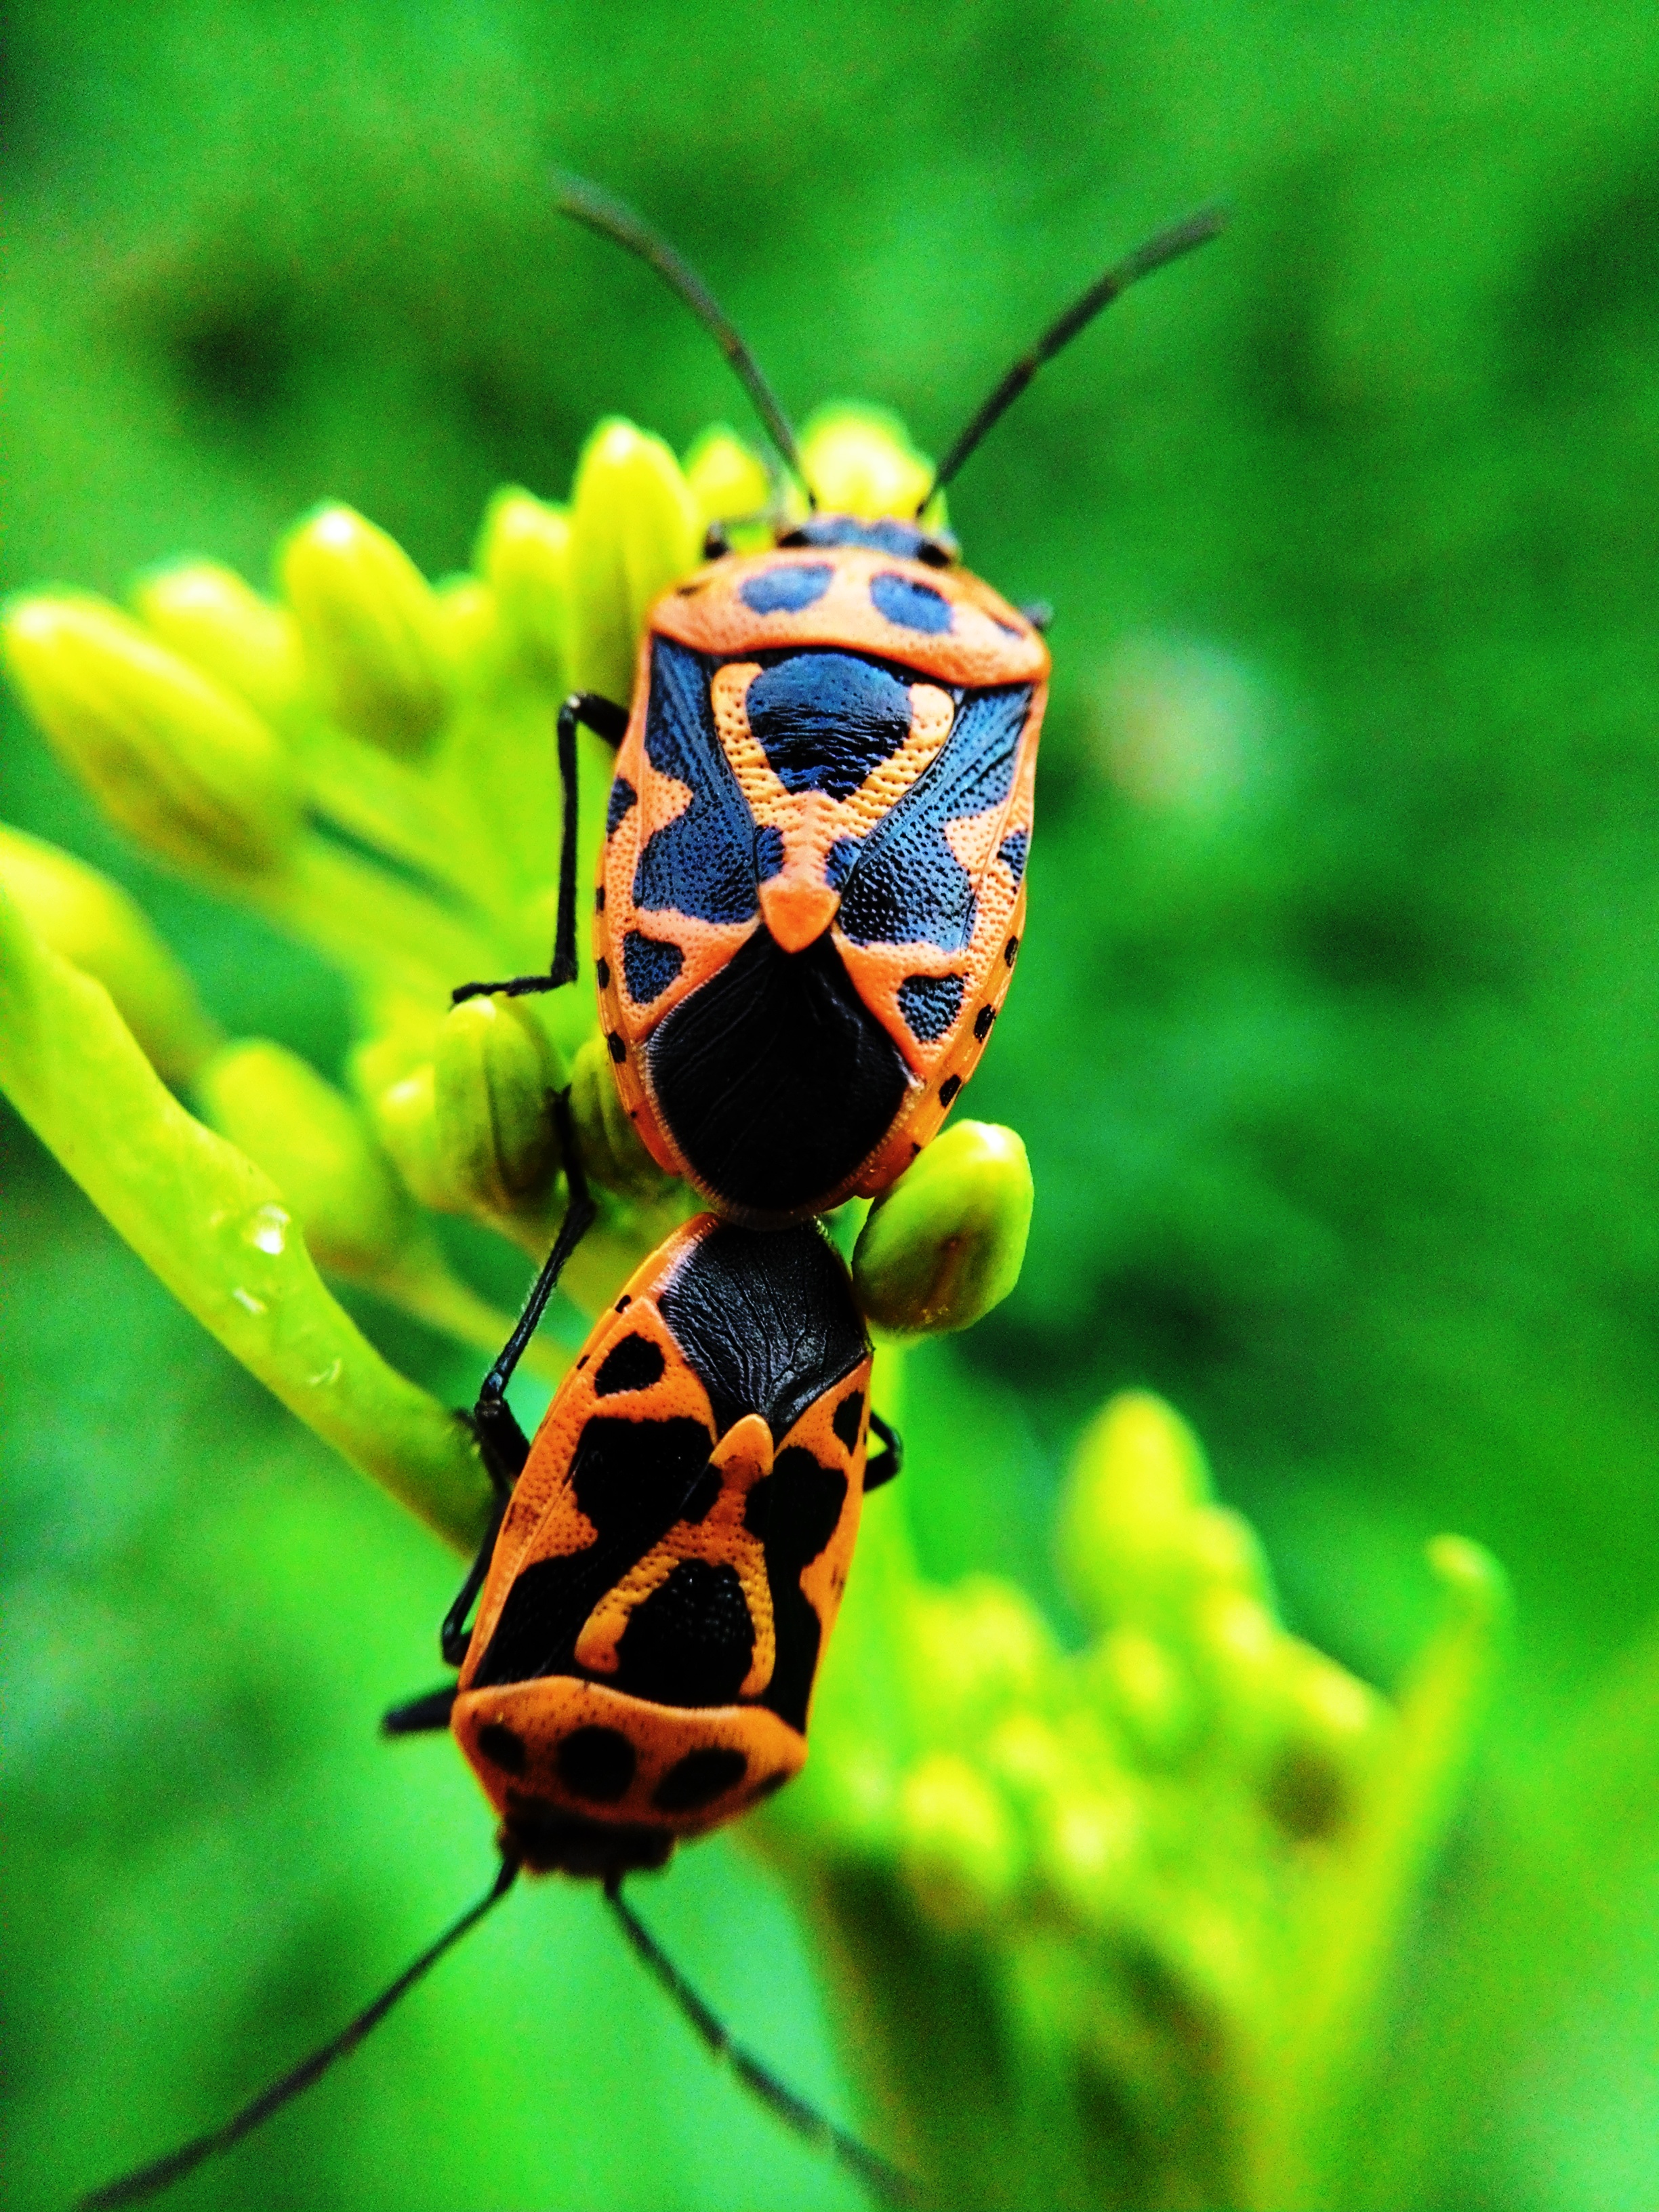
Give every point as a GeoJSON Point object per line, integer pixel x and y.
{"type": "Point", "coordinates": [1141, 1835]}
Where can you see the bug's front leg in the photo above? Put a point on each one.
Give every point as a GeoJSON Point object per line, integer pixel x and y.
{"type": "Point", "coordinates": [608, 722]}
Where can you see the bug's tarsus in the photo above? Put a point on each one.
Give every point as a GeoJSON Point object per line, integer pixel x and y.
{"type": "Point", "coordinates": [148, 2180]}
{"type": "Point", "coordinates": [1165, 245]}
{"type": "Point", "coordinates": [424, 1715]}
{"type": "Point", "coordinates": [598, 211]}
{"type": "Point", "coordinates": [891, 1460]}
{"type": "Point", "coordinates": [608, 722]}
{"type": "Point", "coordinates": [882, 2180]}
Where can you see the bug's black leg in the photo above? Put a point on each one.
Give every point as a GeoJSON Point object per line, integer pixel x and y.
{"type": "Point", "coordinates": [888, 1461]}
{"type": "Point", "coordinates": [610, 722]}
{"type": "Point", "coordinates": [422, 1716]}
{"type": "Point", "coordinates": [882, 2179]}
{"type": "Point", "coordinates": [503, 1444]}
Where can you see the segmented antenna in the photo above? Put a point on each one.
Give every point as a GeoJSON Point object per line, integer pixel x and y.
{"type": "Point", "coordinates": [162, 2172]}
{"type": "Point", "coordinates": [598, 211]}
{"type": "Point", "coordinates": [1167, 245]}
{"type": "Point", "coordinates": [882, 2179]}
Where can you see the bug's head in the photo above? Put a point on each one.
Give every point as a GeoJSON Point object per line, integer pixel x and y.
{"type": "Point", "coordinates": [908, 541]}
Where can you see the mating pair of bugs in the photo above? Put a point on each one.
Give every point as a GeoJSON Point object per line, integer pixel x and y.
{"type": "Point", "coordinates": [809, 904]}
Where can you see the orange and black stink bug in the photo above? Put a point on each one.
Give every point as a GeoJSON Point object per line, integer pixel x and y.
{"type": "Point", "coordinates": [665, 1566]}
{"type": "Point", "coordinates": [812, 886]}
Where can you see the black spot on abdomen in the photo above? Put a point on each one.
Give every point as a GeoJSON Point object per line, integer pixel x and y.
{"type": "Point", "coordinates": [596, 1763]}
{"type": "Point", "coordinates": [691, 1642]}
{"type": "Point", "coordinates": [698, 1778]}
{"type": "Point", "coordinates": [775, 1078]}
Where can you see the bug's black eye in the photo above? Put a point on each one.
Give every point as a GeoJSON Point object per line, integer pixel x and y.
{"type": "Point", "coordinates": [797, 536]}
{"type": "Point", "coordinates": [716, 542]}
{"type": "Point", "coordinates": [940, 552]}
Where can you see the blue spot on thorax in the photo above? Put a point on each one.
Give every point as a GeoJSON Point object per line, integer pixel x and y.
{"type": "Point", "coordinates": [785, 590]}
{"type": "Point", "coordinates": [909, 605]}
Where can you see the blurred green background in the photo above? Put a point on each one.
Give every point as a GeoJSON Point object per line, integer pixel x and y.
{"type": "Point", "coordinates": [1334, 1043]}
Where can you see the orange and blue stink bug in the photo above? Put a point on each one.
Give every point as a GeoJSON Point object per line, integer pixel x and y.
{"type": "Point", "coordinates": [813, 887]}
{"type": "Point", "coordinates": [663, 1569]}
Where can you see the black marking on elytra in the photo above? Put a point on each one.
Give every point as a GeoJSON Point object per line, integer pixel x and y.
{"type": "Point", "coordinates": [598, 899]}
{"type": "Point", "coordinates": [618, 1050]}
{"type": "Point", "coordinates": [691, 1641]}
{"type": "Point", "coordinates": [766, 1319]}
{"type": "Point", "coordinates": [848, 1415]}
{"type": "Point", "coordinates": [623, 798]}
{"type": "Point", "coordinates": [785, 590]}
{"type": "Point", "coordinates": [1012, 850]}
{"type": "Point", "coordinates": [633, 1363]}
{"type": "Point", "coordinates": [602, 974]}
{"type": "Point", "coordinates": [698, 1778]}
{"type": "Point", "coordinates": [630, 1479]}
{"type": "Point", "coordinates": [503, 1748]}
{"type": "Point", "coordinates": [650, 965]}
{"type": "Point", "coordinates": [909, 604]}
{"type": "Point", "coordinates": [801, 1511]}
{"type": "Point", "coordinates": [982, 1021]}
{"type": "Point", "coordinates": [948, 1089]}
{"type": "Point", "coordinates": [825, 720]}
{"type": "Point", "coordinates": [774, 1077]}
{"type": "Point", "coordinates": [1010, 952]}
{"type": "Point", "coordinates": [908, 887]}
{"type": "Point", "coordinates": [768, 852]}
{"type": "Point", "coordinates": [700, 863]}
{"type": "Point", "coordinates": [929, 1005]}
{"type": "Point", "coordinates": [596, 1763]}
{"type": "Point", "coordinates": [704, 1490]}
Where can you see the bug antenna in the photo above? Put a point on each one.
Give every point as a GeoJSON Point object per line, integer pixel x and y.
{"type": "Point", "coordinates": [883, 2181]}
{"type": "Point", "coordinates": [1168, 245]}
{"type": "Point", "coordinates": [609, 218]}
{"type": "Point", "coordinates": [162, 2172]}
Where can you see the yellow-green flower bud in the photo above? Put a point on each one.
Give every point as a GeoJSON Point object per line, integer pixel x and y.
{"type": "Point", "coordinates": [496, 1075]}
{"type": "Point", "coordinates": [92, 923]}
{"type": "Point", "coordinates": [406, 1118]}
{"type": "Point", "coordinates": [728, 479]}
{"type": "Point", "coordinates": [1332, 1727]}
{"type": "Point", "coordinates": [633, 531]}
{"type": "Point", "coordinates": [1090, 1843]}
{"type": "Point", "coordinates": [859, 460]}
{"type": "Point", "coordinates": [313, 1144]}
{"type": "Point", "coordinates": [958, 1848]}
{"type": "Point", "coordinates": [373, 634]}
{"type": "Point", "coordinates": [207, 614]}
{"type": "Point", "coordinates": [477, 643]}
{"type": "Point", "coordinates": [946, 1243]}
{"type": "Point", "coordinates": [174, 759]}
{"type": "Point", "coordinates": [524, 555]}
{"type": "Point", "coordinates": [1137, 1480]}
{"type": "Point", "coordinates": [612, 1150]}
{"type": "Point", "coordinates": [1147, 1690]}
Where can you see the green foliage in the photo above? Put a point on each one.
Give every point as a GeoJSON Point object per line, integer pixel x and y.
{"type": "Point", "coordinates": [1333, 1046]}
